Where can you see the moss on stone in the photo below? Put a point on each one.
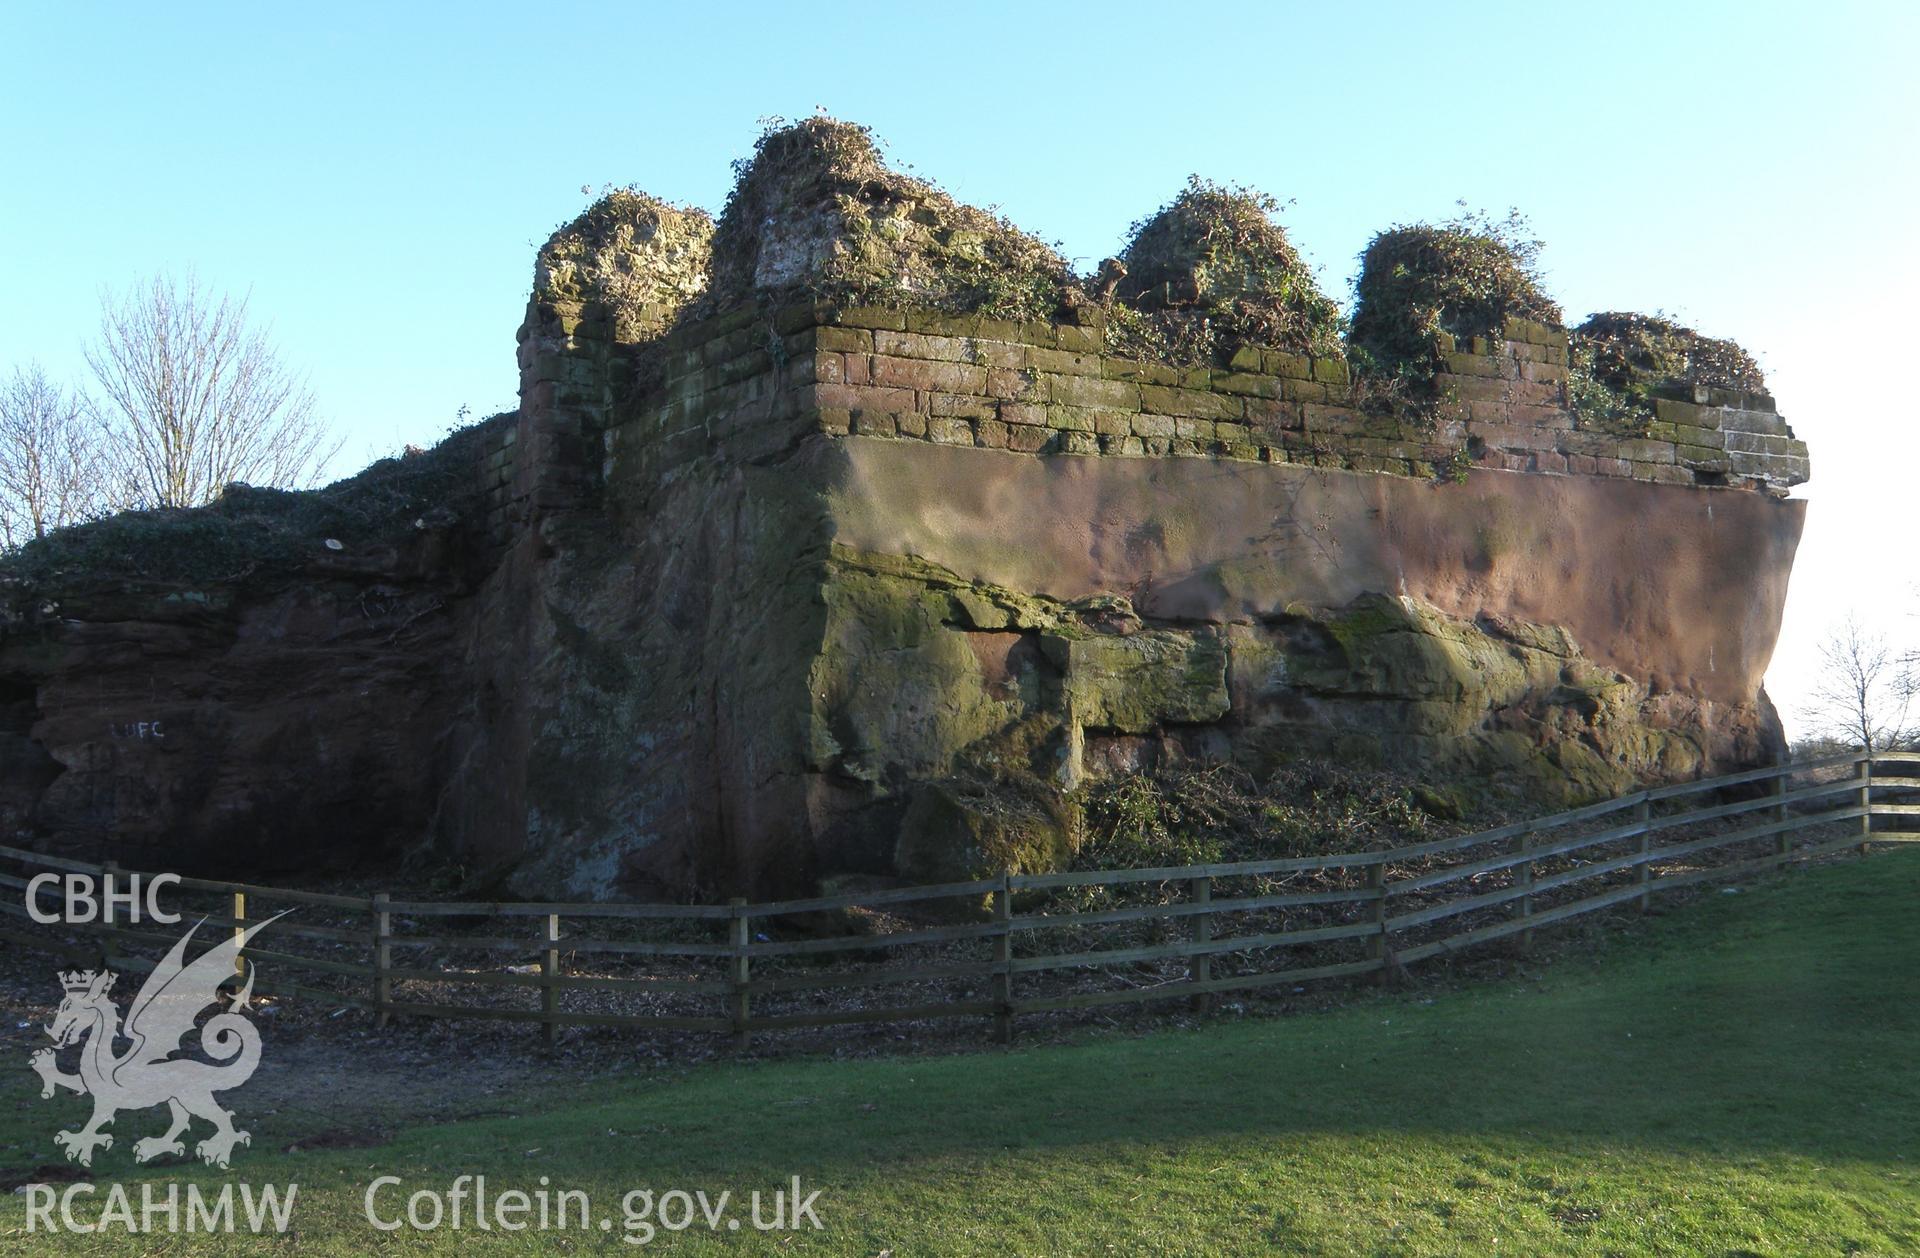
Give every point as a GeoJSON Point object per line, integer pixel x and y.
{"type": "Point", "coordinates": [1136, 682]}
{"type": "Point", "coordinates": [629, 259]}
{"type": "Point", "coordinates": [960, 829]}
{"type": "Point", "coordinates": [816, 213]}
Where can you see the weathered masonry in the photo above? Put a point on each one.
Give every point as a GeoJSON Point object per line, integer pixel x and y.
{"type": "Point", "coordinates": [783, 572]}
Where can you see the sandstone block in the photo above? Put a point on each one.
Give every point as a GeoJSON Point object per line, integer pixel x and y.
{"type": "Point", "coordinates": [1019, 386]}
{"type": "Point", "coordinates": [1754, 421]}
{"type": "Point", "coordinates": [1475, 389]}
{"type": "Point", "coordinates": [923, 345]}
{"type": "Point", "coordinates": [1119, 395]}
{"type": "Point", "coordinates": [1476, 365]}
{"type": "Point", "coordinates": [1701, 458]}
{"type": "Point", "coordinates": [999, 354]}
{"type": "Point", "coordinates": [1246, 358]}
{"type": "Point", "coordinates": [1330, 371]}
{"type": "Point", "coordinates": [913, 373]}
{"type": "Point", "coordinates": [1085, 340]}
{"type": "Point", "coordinates": [1064, 362]}
{"type": "Point", "coordinates": [1276, 362]}
{"type": "Point", "coordinates": [1761, 443]}
{"type": "Point", "coordinates": [870, 317]}
{"type": "Point", "coordinates": [854, 397]}
{"type": "Point", "coordinates": [949, 431]}
{"type": "Point", "coordinates": [1646, 451]}
{"type": "Point", "coordinates": [1667, 410]}
{"type": "Point", "coordinates": [961, 406]}
{"type": "Point", "coordinates": [1138, 372]}
{"type": "Point", "coordinates": [1247, 385]}
{"type": "Point", "coordinates": [843, 340]}
{"type": "Point", "coordinates": [1271, 416]}
{"type": "Point", "coordinates": [1332, 419]}
{"type": "Point", "coordinates": [1027, 439]}
{"type": "Point", "coordinates": [1189, 402]}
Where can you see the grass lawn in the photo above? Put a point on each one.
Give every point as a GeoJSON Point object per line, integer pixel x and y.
{"type": "Point", "coordinates": [1738, 1078]}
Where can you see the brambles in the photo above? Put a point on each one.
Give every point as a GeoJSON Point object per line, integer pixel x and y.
{"type": "Point", "coordinates": [1211, 270]}
{"type": "Point", "coordinates": [1465, 277]}
{"type": "Point", "coordinates": [1619, 361]}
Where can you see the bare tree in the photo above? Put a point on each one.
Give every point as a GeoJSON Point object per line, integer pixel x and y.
{"type": "Point", "coordinates": [51, 473]}
{"type": "Point", "coordinates": [1864, 697]}
{"type": "Point", "coordinates": [193, 398]}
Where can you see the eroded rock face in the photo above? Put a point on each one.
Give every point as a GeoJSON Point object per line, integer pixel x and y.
{"type": "Point", "coordinates": [198, 728]}
{"type": "Point", "coordinates": [944, 680]}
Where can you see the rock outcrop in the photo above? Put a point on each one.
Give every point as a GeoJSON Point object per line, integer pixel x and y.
{"type": "Point", "coordinates": [859, 545]}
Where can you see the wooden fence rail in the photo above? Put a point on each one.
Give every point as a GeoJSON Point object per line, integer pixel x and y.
{"type": "Point", "coordinates": [1203, 930]}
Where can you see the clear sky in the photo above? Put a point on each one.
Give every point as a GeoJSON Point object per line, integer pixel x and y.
{"type": "Point", "coordinates": [379, 176]}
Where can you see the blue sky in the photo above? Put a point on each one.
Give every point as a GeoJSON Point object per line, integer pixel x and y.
{"type": "Point", "coordinates": [379, 176]}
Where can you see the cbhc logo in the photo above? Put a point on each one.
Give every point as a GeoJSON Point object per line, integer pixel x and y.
{"type": "Point", "coordinates": [87, 899]}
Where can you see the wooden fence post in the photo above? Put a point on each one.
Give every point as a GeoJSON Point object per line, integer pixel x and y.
{"type": "Point", "coordinates": [739, 1006]}
{"type": "Point", "coordinates": [1523, 878]}
{"type": "Point", "coordinates": [1642, 817]}
{"type": "Point", "coordinates": [382, 959]}
{"type": "Point", "coordinates": [1200, 965]}
{"type": "Point", "coordinates": [550, 980]}
{"type": "Point", "coordinates": [1377, 941]}
{"type": "Point", "coordinates": [1783, 841]}
{"type": "Point", "coordinates": [1866, 801]}
{"type": "Point", "coordinates": [239, 931]}
{"type": "Point", "coordinates": [1003, 961]}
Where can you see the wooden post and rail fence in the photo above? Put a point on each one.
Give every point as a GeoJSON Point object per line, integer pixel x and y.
{"type": "Point", "coordinates": [1369, 913]}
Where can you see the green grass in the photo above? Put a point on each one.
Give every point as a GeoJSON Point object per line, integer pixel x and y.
{"type": "Point", "coordinates": [1738, 1078]}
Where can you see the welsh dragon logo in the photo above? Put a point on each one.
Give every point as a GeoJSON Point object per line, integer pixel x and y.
{"type": "Point", "coordinates": [147, 1073]}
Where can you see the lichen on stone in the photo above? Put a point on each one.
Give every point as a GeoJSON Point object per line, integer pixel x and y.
{"type": "Point", "coordinates": [1213, 269]}
{"type": "Point", "coordinates": [816, 213]}
{"type": "Point", "coordinates": [636, 258]}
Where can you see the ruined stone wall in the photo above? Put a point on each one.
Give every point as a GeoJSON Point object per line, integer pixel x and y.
{"type": "Point", "coordinates": [1041, 388]}
{"type": "Point", "coordinates": [829, 564]}
{"type": "Point", "coordinates": [767, 583]}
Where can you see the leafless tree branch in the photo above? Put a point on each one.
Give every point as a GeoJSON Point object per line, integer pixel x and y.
{"type": "Point", "coordinates": [51, 473]}
{"type": "Point", "coordinates": [1865, 696]}
{"type": "Point", "coordinates": [193, 398]}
